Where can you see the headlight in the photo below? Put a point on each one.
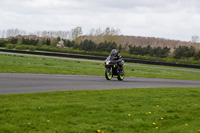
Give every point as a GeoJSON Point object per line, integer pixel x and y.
{"type": "Point", "coordinates": [107, 62]}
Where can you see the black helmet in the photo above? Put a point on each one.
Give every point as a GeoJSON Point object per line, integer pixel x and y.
{"type": "Point", "coordinates": [114, 52]}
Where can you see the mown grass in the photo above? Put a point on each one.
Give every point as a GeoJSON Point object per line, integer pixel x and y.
{"type": "Point", "coordinates": [144, 110]}
{"type": "Point", "coordinates": [25, 64]}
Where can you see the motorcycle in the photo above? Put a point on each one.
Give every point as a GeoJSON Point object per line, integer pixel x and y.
{"type": "Point", "coordinates": [113, 69]}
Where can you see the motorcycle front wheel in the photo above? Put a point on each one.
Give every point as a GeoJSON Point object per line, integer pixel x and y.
{"type": "Point", "coordinates": [108, 73]}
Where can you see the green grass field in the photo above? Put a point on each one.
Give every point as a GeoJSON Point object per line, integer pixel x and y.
{"type": "Point", "coordinates": [24, 64]}
{"type": "Point", "coordinates": [143, 110]}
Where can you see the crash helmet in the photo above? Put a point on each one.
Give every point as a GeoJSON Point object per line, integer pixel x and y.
{"type": "Point", "coordinates": [114, 52]}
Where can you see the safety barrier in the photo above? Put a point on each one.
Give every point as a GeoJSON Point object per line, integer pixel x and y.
{"type": "Point", "coordinates": [101, 58]}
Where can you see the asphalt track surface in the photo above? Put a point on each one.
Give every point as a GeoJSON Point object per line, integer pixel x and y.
{"type": "Point", "coordinates": [15, 83]}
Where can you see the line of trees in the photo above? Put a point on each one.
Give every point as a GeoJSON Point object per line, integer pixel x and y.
{"type": "Point", "coordinates": [184, 52]}
{"type": "Point", "coordinates": [72, 34]}
{"type": "Point", "coordinates": [24, 41]}
{"type": "Point", "coordinates": [154, 52]}
{"type": "Point", "coordinates": [181, 52]}
{"type": "Point", "coordinates": [89, 45]}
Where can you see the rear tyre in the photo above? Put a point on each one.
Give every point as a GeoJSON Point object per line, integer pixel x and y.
{"type": "Point", "coordinates": [120, 76]}
{"type": "Point", "coordinates": [108, 73]}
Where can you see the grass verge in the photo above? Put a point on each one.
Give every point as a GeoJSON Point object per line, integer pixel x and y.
{"type": "Point", "coordinates": [26, 64]}
{"type": "Point", "coordinates": [146, 110]}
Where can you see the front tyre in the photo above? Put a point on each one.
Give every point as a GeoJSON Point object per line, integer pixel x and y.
{"type": "Point", "coordinates": [108, 73]}
{"type": "Point", "coordinates": [120, 76]}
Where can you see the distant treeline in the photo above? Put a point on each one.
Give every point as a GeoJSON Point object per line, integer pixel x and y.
{"type": "Point", "coordinates": [181, 52]}
{"type": "Point", "coordinates": [155, 52]}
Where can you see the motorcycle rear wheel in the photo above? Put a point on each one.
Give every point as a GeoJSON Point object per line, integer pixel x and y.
{"type": "Point", "coordinates": [108, 73]}
{"type": "Point", "coordinates": [120, 76]}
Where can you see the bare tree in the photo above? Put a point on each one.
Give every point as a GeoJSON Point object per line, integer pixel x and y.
{"type": "Point", "coordinates": [195, 38]}
{"type": "Point", "coordinates": [66, 35]}
{"type": "Point", "coordinates": [3, 34]}
{"type": "Point", "coordinates": [110, 34]}
{"type": "Point", "coordinates": [39, 33]}
{"type": "Point", "coordinates": [16, 32]}
{"type": "Point", "coordinates": [98, 32]}
{"type": "Point", "coordinates": [12, 33]}
{"type": "Point", "coordinates": [23, 33]}
{"type": "Point", "coordinates": [76, 32]}
{"type": "Point", "coordinates": [92, 32]}
{"type": "Point", "coordinates": [44, 34]}
{"type": "Point", "coordinates": [9, 33]}
{"type": "Point", "coordinates": [111, 31]}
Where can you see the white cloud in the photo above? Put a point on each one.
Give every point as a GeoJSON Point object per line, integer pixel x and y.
{"type": "Point", "coordinates": [173, 19]}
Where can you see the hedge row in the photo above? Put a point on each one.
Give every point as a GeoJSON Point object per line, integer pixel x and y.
{"type": "Point", "coordinates": [183, 54]}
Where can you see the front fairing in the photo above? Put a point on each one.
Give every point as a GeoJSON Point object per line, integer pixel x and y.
{"type": "Point", "coordinates": [109, 62]}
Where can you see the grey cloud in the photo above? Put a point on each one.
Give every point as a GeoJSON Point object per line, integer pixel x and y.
{"type": "Point", "coordinates": [176, 19]}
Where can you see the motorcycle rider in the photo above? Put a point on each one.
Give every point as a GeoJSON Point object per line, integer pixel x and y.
{"type": "Point", "coordinates": [117, 58]}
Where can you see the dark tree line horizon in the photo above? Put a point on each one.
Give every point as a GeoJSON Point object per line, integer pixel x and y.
{"type": "Point", "coordinates": [181, 52]}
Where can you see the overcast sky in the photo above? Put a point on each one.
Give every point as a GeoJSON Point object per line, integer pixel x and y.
{"type": "Point", "coordinates": [170, 19]}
